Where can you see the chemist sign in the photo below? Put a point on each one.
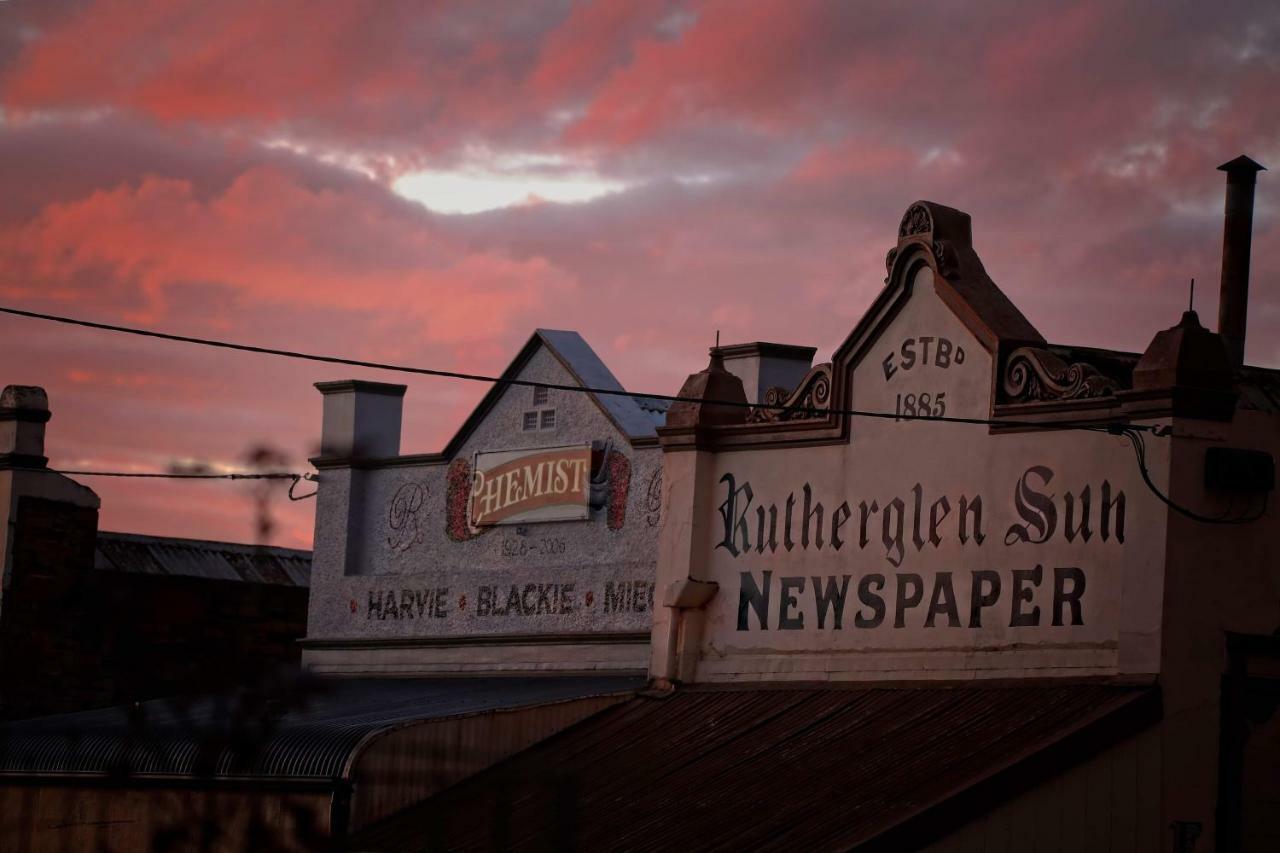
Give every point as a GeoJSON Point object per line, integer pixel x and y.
{"type": "Point", "coordinates": [523, 486]}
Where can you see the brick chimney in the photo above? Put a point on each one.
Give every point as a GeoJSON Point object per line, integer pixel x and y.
{"type": "Point", "coordinates": [1237, 236]}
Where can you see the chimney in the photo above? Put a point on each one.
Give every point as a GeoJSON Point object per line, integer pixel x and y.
{"type": "Point", "coordinates": [24, 410]}
{"type": "Point", "coordinates": [361, 419]}
{"type": "Point", "coordinates": [762, 365]}
{"type": "Point", "coordinates": [1237, 234]}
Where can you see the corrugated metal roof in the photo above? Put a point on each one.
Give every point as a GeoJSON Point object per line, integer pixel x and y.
{"type": "Point", "coordinates": [735, 769]}
{"type": "Point", "coordinates": [1260, 389]}
{"type": "Point", "coordinates": [163, 555]}
{"type": "Point", "coordinates": [636, 418]}
{"type": "Point", "coordinates": [307, 731]}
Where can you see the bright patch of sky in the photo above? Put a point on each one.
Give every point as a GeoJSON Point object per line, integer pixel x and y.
{"type": "Point", "coordinates": [504, 181]}
{"type": "Point", "coordinates": [329, 158]}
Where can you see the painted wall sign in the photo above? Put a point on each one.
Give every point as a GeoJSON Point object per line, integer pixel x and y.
{"type": "Point", "coordinates": [487, 602]}
{"type": "Point", "coordinates": [925, 351]}
{"type": "Point", "coordinates": [522, 486]}
{"type": "Point", "coordinates": [919, 549]}
{"type": "Point", "coordinates": [1025, 596]}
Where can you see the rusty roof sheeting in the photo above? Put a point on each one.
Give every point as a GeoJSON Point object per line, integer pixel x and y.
{"type": "Point", "coordinates": [734, 769]}
{"type": "Point", "coordinates": [228, 561]}
{"type": "Point", "coordinates": [1259, 389]}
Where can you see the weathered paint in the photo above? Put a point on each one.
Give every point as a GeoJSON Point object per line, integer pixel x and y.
{"type": "Point", "coordinates": [530, 486]}
{"type": "Point", "coordinates": [919, 549]}
{"type": "Point", "coordinates": [396, 560]}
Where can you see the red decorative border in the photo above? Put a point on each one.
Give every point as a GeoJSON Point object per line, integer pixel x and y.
{"type": "Point", "coordinates": [619, 489]}
{"type": "Point", "coordinates": [459, 490]}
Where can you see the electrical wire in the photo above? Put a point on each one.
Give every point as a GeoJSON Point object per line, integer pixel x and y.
{"type": "Point", "coordinates": [1134, 432]}
{"type": "Point", "coordinates": [1135, 438]}
{"type": "Point", "coordinates": [1140, 452]}
{"type": "Point", "coordinates": [554, 386]}
{"type": "Point", "coordinates": [174, 475]}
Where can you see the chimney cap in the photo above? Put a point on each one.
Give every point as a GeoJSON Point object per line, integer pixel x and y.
{"type": "Point", "coordinates": [1241, 164]}
{"type": "Point", "coordinates": [711, 386]}
{"type": "Point", "coordinates": [24, 397]}
{"type": "Point", "coordinates": [765, 349]}
{"type": "Point", "coordinates": [1184, 355]}
{"type": "Point", "coordinates": [360, 386]}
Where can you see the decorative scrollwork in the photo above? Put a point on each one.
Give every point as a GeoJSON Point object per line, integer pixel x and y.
{"type": "Point", "coordinates": [809, 401]}
{"type": "Point", "coordinates": [889, 258]}
{"type": "Point", "coordinates": [653, 498]}
{"type": "Point", "coordinates": [916, 220]}
{"type": "Point", "coordinates": [619, 480]}
{"type": "Point", "coordinates": [404, 521]}
{"type": "Point", "coordinates": [1034, 375]}
{"type": "Point", "coordinates": [945, 258]}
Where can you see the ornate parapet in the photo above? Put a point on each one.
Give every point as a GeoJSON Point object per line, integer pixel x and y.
{"type": "Point", "coordinates": [1035, 375]}
{"type": "Point", "coordinates": [917, 220]}
{"type": "Point", "coordinates": [811, 399]}
{"type": "Point", "coordinates": [920, 225]}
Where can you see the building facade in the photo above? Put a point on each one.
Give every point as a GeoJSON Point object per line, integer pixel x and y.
{"type": "Point", "coordinates": [959, 589]}
{"type": "Point", "coordinates": [463, 606]}
{"type": "Point", "coordinates": [528, 544]}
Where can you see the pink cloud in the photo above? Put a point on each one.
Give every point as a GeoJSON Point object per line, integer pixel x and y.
{"type": "Point", "coordinates": [769, 149]}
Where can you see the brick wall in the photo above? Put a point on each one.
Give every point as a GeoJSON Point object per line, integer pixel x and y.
{"type": "Point", "coordinates": [73, 637]}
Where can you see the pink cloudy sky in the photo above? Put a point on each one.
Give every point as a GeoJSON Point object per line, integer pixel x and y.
{"type": "Point", "coordinates": [426, 182]}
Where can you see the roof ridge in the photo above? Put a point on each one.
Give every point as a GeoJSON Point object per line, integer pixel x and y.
{"type": "Point", "coordinates": [183, 540]}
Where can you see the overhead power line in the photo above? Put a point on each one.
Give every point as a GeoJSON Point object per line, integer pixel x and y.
{"type": "Point", "coordinates": [174, 475]}
{"type": "Point", "coordinates": [1134, 432]}
{"type": "Point", "coordinates": [177, 475]}
{"type": "Point", "coordinates": [555, 386]}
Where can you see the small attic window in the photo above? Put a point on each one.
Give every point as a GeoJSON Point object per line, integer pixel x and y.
{"type": "Point", "coordinates": [548, 419]}
{"type": "Point", "coordinates": [530, 422]}
{"type": "Point", "coordinates": [540, 394]}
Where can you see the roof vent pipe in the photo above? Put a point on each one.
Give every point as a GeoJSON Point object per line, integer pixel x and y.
{"type": "Point", "coordinates": [1237, 235]}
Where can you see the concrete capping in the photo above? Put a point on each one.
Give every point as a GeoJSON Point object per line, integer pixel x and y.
{"type": "Point", "coordinates": [33, 416]}
{"type": "Point", "coordinates": [561, 639]}
{"type": "Point", "coordinates": [766, 349]}
{"type": "Point", "coordinates": [1208, 404]}
{"type": "Point", "coordinates": [23, 462]}
{"type": "Point", "coordinates": [754, 436]}
{"type": "Point", "coordinates": [346, 386]}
